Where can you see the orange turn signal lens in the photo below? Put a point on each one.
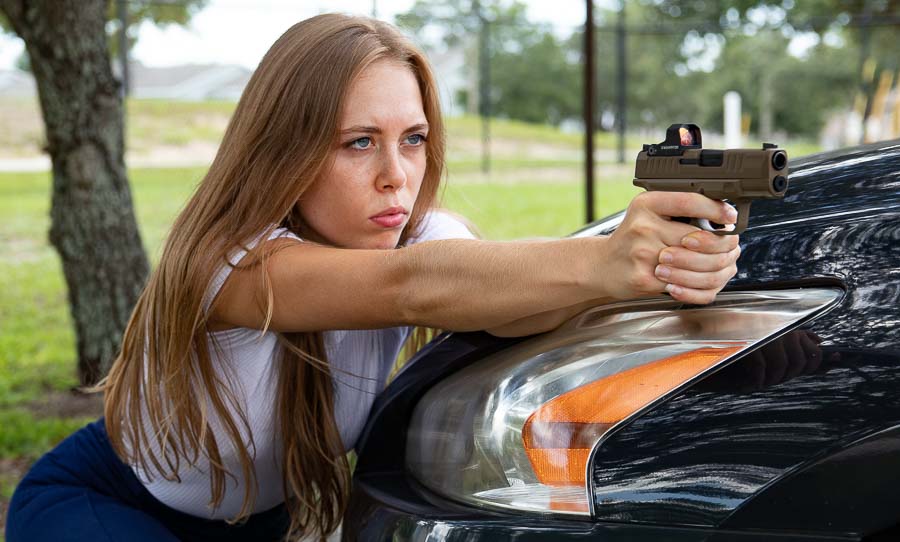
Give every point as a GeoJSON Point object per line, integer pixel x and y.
{"type": "Point", "coordinates": [559, 436]}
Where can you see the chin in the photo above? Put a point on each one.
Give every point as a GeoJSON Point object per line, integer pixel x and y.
{"type": "Point", "coordinates": [385, 241]}
{"type": "Point", "coordinates": [387, 245]}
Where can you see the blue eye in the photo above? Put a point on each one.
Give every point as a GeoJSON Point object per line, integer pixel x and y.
{"type": "Point", "coordinates": [415, 139]}
{"type": "Point", "coordinates": [361, 143]}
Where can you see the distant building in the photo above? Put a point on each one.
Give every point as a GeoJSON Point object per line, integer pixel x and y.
{"type": "Point", "coordinates": [198, 82]}
{"type": "Point", "coordinates": [190, 82]}
{"type": "Point", "coordinates": [450, 71]}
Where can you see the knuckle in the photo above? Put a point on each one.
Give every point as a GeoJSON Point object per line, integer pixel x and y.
{"type": "Point", "coordinates": [641, 201]}
{"type": "Point", "coordinates": [642, 282]}
{"type": "Point", "coordinates": [643, 229]}
{"type": "Point", "coordinates": [703, 297]}
{"type": "Point", "coordinates": [643, 254]}
{"type": "Point", "coordinates": [723, 260]}
{"type": "Point", "coordinates": [712, 281]}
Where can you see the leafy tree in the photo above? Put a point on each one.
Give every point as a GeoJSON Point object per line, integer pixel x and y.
{"type": "Point", "coordinates": [534, 79]}
{"type": "Point", "coordinates": [656, 93]}
{"type": "Point", "coordinates": [868, 29]}
{"type": "Point", "coordinates": [803, 91]}
{"type": "Point", "coordinates": [533, 75]}
{"type": "Point", "coordinates": [93, 226]}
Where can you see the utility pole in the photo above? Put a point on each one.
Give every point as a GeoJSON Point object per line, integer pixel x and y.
{"type": "Point", "coordinates": [374, 9]}
{"type": "Point", "coordinates": [867, 78]}
{"type": "Point", "coordinates": [484, 86]}
{"type": "Point", "coordinates": [588, 57]}
{"type": "Point", "coordinates": [622, 105]}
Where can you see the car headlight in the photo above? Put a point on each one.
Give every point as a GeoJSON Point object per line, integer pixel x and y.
{"type": "Point", "coordinates": [516, 429]}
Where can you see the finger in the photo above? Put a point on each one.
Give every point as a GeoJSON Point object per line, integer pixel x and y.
{"type": "Point", "coordinates": [797, 358]}
{"type": "Point", "coordinates": [756, 364]}
{"type": "Point", "coordinates": [715, 280]}
{"type": "Point", "coordinates": [776, 363]}
{"type": "Point", "coordinates": [815, 337]}
{"type": "Point", "coordinates": [812, 351]}
{"type": "Point", "coordinates": [687, 204]}
{"type": "Point", "coordinates": [672, 233]}
{"type": "Point", "coordinates": [691, 295]}
{"type": "Point", "coordinates": [683, 258]}
{"type": "Point", "coordinates": [644, 223]}
{"type": "Point", "coordinates": [709, 243]}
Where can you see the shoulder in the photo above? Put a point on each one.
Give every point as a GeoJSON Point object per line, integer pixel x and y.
{"type": "Point", "coordinates": [443, 224]}
{"type": "Point", "coordinates": [236, 255]}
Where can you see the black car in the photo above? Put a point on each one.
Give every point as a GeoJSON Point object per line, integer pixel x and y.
{"type": "Point", "coordinates": [772, 414]}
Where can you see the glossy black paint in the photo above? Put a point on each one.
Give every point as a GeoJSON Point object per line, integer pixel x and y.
{"type": "Point", "coordinates": [852, 490]}
{"type": "Point", "coordinates": [759, 451]}
{"type": "Point", "coordinates": [702, 456]}
{"type": "Point", "coordinates": [385, 510]}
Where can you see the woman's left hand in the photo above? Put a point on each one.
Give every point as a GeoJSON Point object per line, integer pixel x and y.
{"type": "Point", "coordinates": [700, 267]}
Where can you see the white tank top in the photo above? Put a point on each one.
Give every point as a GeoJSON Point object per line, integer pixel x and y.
{"type": "Point", "coordinates": [360, 359]}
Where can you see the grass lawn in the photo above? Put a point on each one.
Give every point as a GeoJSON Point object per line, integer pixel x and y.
{"type": "Point", "coordinates": [37, 351]}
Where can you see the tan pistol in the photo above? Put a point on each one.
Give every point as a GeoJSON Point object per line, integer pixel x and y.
{"type": "Point", "coordinates": [738, 176]}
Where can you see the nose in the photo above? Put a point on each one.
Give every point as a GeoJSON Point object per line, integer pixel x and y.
{"type": "Point", "coordinates": [391, 175]}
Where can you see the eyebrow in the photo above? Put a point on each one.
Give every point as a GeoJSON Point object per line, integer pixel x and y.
{"type": "Point", "coordinates": [377, 130]}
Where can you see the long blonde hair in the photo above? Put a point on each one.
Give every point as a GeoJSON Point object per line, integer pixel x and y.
{"type": "Point", "coordinates": [277, 144]}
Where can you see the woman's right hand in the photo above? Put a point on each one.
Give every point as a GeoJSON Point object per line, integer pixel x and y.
{"type": "Point", "coordinates": [650, 253]}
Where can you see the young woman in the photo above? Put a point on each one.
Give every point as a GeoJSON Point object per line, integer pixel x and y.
{"type": "Point", "coordinates": [231, 405]}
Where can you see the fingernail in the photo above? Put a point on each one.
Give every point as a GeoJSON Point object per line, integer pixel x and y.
{"type": "Point", "coordinates": [666, 257]}
{"type": "Point", "coordinates": [663, 271]}
{"type": "Point", "coordinates": [674, 290]}
{"type": "Point", "coordinates": [731, 214]}
{"type": "Point", "coordinates": [690, 242]}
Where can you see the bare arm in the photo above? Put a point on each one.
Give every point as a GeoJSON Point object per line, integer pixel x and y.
{"type": "Point", "coordinates": [466, 285]}
{"type": "Point", "coordinates": [453, 284]}
{"type": "Point", "coordinates": [544, 321]}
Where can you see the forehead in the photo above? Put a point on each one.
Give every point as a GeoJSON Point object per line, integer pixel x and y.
{"type": "Point", "coordinates": [385, 92]}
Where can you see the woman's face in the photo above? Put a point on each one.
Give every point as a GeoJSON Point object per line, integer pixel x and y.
{"type": "Point", "coordinates": [364, 199]}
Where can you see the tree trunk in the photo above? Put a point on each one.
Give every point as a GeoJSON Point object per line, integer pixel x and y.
{"type": "Point", "coordinates": [93, 226]}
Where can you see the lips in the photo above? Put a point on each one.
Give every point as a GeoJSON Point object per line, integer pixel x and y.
{"type": "Point", "coordinates": [390, 218]}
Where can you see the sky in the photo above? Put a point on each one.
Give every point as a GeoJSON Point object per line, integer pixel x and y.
{"type": "Point", "coordinates": [240, 31]}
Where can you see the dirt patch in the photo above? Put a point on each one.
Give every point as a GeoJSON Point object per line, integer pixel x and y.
{"type": "Point", "coordinates": [193, 153]}
{"type": "Point", "coordinates": [68, 404]}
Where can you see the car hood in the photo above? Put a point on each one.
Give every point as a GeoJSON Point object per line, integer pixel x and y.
{"type": "Point", "coordinates": [823, 445]}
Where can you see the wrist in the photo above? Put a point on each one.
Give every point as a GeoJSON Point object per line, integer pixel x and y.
{"type": "Point", "coordinates": [593, 268]}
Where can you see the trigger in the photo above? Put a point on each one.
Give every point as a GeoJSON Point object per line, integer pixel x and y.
{"type": "Point", "coordinates": [706, 225]}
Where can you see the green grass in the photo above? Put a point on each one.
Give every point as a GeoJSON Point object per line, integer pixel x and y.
{"type": "Point", "coordinates": [532, 209]}
{"type": "Point", "coordinates": [25, 436]}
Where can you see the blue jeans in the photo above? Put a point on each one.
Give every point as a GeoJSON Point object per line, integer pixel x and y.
{"type": "Point", "coordinates": [81, 490]}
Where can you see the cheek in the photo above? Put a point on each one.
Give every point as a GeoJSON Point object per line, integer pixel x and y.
{"type": "Point", "coordinates": [417, 175]}
{"type": "Point", "coordinates": [337, 198]}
